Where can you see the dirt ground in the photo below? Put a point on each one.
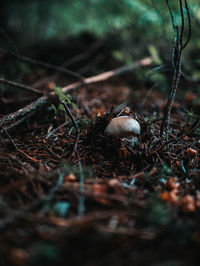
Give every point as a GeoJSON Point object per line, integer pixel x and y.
{"type": "Point", "coordinates": [102, 202]}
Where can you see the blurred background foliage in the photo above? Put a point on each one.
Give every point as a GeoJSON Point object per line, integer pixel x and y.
{"type": "Point", "coordinates": [36, 20]}
{"type": "Point", "coordinates": [138, 28]}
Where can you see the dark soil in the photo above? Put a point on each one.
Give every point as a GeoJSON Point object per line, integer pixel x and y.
{"type": "Point", "coordinates": [107, 203]}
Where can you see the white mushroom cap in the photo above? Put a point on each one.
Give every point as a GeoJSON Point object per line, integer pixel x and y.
{"type": "Point", "coordinates": [123, 126]}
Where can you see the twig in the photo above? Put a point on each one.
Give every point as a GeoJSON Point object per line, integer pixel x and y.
{"type": "Point", "coordinates": [189, 131]}
{"type": "Point", "coordinates": [17, 149]}
{"type": "Point", "coordinates": [81, 205]}
{"type": "Point", "coordinates": [68, 111]}
{"type": "Point", "coordinates": [18, 85]}
{"type": "Point", "coordinates": [176, 63]}
{"type": "Point", "coordinates": [10, 138]}
{"type": "Point", "coordinates": [43, 64]}
{"type": "Point", "coordinates": [19, 121]}
{"type": "Point", "coordinates": [84, 55]}
{"type": "Point", "coordinates": [88, 54]}
{"type": "Point", "coordinates": [8, 120]}
{"type": "Point", "coordinates": [56, 129]}
{"type": "Point", "coordinates": [10, 42]}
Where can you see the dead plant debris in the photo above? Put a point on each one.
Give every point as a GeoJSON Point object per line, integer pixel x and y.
{"type": "Point", "coordinates": [110, 200]}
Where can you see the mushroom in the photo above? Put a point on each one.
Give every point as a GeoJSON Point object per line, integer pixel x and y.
{"type": "Point", "coordinates": [125, 127]}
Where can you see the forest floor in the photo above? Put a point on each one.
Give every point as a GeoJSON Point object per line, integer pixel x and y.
{"type": "Point", "coordinates": [102, 203]}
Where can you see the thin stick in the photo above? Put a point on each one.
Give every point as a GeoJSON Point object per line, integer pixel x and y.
{"type": "Point", "coordinates": [81, 205]}
{"type": "Point", "coordinates": [43, 64]}
{"type": "Point", "coordinates": [189, 25]}
{"type": "Point", "coordinates": [10, 42]}
{"type": "Point", "coordinates": [68, 111]}
{"type": "Point", "coordinates": [10, 119]}
{"type": "Point", "coordinates": [18, 85]}
{"type": "Point", "coordinates": [17, 149]}
{"type": "Point", "coordinates": [176, 65]}
{"type": "Point", "coordinates": [56, 129]}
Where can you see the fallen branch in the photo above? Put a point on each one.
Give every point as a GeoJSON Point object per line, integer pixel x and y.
{"type": "Point", "coordinates": [18, 85]}
{"type": "Point", "coordinates": [43, 64]}
{"type": "Point", "coordinates": [11, 119]}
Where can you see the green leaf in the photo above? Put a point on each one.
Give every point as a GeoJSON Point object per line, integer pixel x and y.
{"type": "Point", "coordinates": [61, 107]}
{"type": "Point", "coordinates": [62, 96]}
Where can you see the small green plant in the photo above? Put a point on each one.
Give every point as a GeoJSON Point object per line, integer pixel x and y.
{"type": "Point", "coordinates": [62, 98]}
{"type": "Point", "coordinates": [190, 118]}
